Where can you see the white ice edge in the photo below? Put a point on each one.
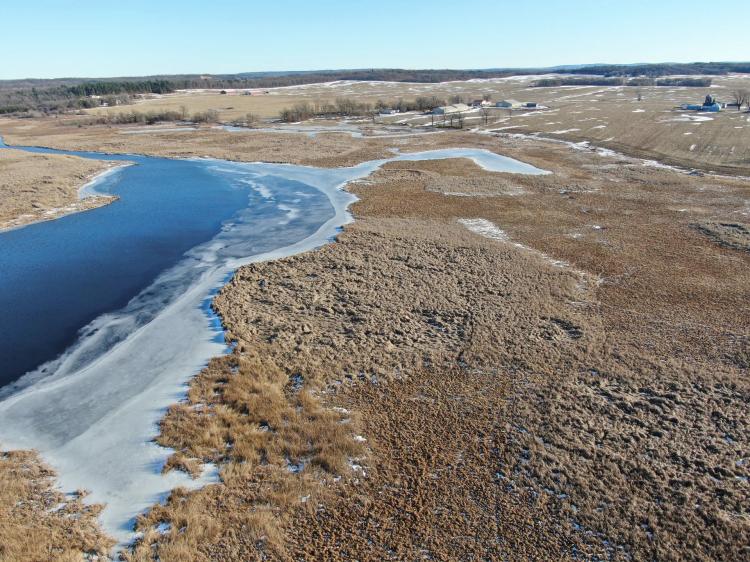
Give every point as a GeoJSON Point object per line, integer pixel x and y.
{"type": "Point", "coordinates": [116, 458]}
{"type": "Point", "coordinates": [85, 191]}
{"type": "Point", "coordinates": [89, 189]}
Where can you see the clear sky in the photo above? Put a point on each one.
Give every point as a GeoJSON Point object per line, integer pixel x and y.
{"type": "Point", "coordinates": [62, 38]}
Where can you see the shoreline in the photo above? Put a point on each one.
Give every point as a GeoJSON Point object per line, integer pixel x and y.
{"type": "Point", "coordinates": [84, 202]}
{"type": "Point", "coordinates": [191, 305]}
{"type": "Point", "coordinates": [189, 308]}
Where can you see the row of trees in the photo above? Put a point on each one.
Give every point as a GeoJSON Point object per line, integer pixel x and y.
{"type": "Point", "coordinates": [106, 88]}
{"type": "Point", "coordinates": [341, 107]}
{"type": "Point", "coordinates": [348, 107]}
{"type": "Point", "coordinates": [661, 69]}
{"type": "Point", "coordinates": [622, 81]}
{"type": "Point", "coordinates": [152, 117]}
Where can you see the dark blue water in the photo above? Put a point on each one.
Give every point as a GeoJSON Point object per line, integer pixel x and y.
{"type": "Point", "coordinates": [57, 276]}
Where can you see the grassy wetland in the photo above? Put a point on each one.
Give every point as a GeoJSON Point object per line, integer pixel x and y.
{"type": "Point", "coordinates": [483, 365]}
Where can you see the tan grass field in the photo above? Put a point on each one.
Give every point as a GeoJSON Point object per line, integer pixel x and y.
{"type": "Point", "coordinates": [36, 187]}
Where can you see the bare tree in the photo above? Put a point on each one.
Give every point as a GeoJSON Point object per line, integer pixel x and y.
{"type": "Point", "coordinates": [486, 114]}
{"type": "Point", "coordinates": [741, 96]}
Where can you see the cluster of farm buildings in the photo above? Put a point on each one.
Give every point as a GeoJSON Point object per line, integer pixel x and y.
{"type": "Point", "coordinates": [476, 104]}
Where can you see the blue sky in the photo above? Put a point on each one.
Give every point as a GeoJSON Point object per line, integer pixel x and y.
{"type": "Point", "coordinates": [50, 38]}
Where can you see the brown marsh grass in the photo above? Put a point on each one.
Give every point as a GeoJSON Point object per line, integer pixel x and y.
{"type": "Point", "coordinates": [37, 522]}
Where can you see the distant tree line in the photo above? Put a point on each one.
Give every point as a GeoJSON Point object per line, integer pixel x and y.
{"type": "Point", "coordinates": [60, 95]}
{"type": "Point", "coordinates": [151, 117]}
{"type": "Point", "coordinates": [79, 96]}
{"type": "Point", "coordinates": [690, 82]}
{"type": "Point", "coordinates": [110, 88]}
{"type": "Point", "coordinates": [661, 69]}
{"type": "Point", "coordinates": [621, 81]}
{"type": "Point", "coordinates": [348, 107]}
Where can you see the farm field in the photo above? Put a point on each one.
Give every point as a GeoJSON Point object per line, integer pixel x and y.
{"type": "Point", "coordinates": [610, 116]}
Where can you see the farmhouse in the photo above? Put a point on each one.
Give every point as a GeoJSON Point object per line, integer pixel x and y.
{"type": "Point", "coordinates": [448, 109]}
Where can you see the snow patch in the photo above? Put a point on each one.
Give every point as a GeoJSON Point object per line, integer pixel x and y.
{"type": "Point", "coordinates": [488, 229]}
{"type": "Point", "coordinates": [563, 131]}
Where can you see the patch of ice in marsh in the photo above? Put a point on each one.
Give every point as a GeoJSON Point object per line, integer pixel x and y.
{"type": "Point", "coordinates": [296, 467]}
{"type": "Point", "coordinates": [147, 130]}
{"type": "Point", "coordinates": [685, 118]}
{"type": "Point", "coordinates": [488, 229]}
{"type": "Point", "coordinates": [483, 158]}
{"type": "Point", "coordinates": [485, 228]}
{"type": "Point", "coordinates": [563, 131]}
{"type": "Point", "coordinates": [311, 131]}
